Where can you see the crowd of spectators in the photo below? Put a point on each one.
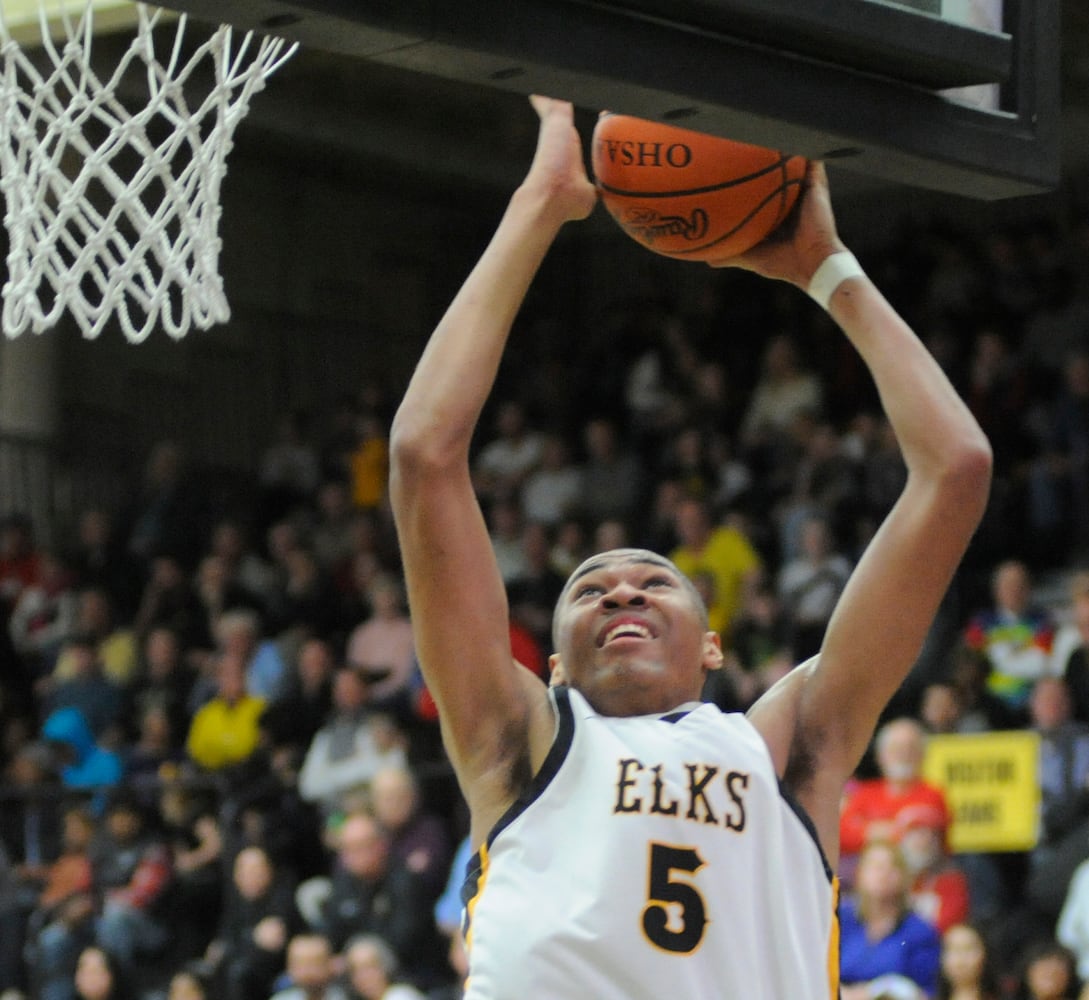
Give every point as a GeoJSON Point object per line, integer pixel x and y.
{"type": "Point", "coordinates": [222, 769]}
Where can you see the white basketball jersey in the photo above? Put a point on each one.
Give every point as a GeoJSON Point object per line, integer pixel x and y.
{"type": "Point", "coordinates": [652, 857]}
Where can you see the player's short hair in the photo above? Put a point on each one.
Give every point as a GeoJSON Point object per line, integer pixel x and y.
{"type": "Point", "coordinates": [638, 555]}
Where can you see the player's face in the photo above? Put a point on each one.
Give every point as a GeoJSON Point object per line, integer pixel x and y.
{"type": "Point", "coordinates": [631, 635]}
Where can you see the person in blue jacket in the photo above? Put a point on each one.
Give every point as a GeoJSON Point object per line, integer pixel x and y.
{"type": "Point", "coordinates": [880, 934]}
{"type": "Point", "coordinates": [83, 764]}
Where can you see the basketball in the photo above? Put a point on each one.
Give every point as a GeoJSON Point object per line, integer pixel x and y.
{"type": "Point", "coordinates": [687, 194]}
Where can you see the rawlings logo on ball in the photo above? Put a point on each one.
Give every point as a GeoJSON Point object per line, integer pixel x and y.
{"type": "Point", "coordinates": [646, 225]}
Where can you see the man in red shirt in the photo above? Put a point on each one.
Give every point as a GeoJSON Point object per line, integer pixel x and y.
{"type": "Point", "coordinates": [871, 807]}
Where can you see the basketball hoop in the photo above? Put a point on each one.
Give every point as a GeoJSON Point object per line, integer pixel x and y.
{"type": "Point", "coordinates": [111, 212]}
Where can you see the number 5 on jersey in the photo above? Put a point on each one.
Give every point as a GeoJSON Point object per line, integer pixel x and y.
{"type": "Point", "coordinates": [675, 915]}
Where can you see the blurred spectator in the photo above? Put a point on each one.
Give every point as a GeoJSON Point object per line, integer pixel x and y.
{"type": "Point", "coordinates": [505, 524]}
{"type": "Point", "coordinates": [655, 381]}
{"type": "Point", "coordinates": [36, 895]}
{"type": "Point", "coordinates": [295, 719]}
{"type": "Point", "coordinates": [1070, 651]}
{"type": "Point", "coordinates": [45, 614]}
{"type": "Point", "coordinates": [101, 976]}
{"type": "Point", "coordinates": [155, 754]}
{"type": "Point", "coordinates": [257, 921]}
{"type": "Point", "coordinates": [1064, 794]}
{"type": "Point", "coordinates": [368, 464]}
{"type": "Point", "coordinates": [733, 477]}
{"type": "Point", "coordinates": [810, 585]}
{"type": "Point", "coordinates": [164, 510]}
{"type": "Point", "coordinates": [260, 805]}
{"type": "Point", "coordinates": [82, 763]}
{"type": "Point", "coordinates": [1058, 324]}
{"type": "Point", "coordinates": [163, 681]}
{"type": "Point", "coordinates": [131, 873]}
{"type": "Point", "coordinates": [448, 907]}
{"type": "Point", "coordinates": [115, 643]}
{"type": "Point", "coordinates": [760, 651]}
{"type": "Point", "coordinates": [997, 394]}
{"type": "Point", "coordinates": [289, 467]}
{"type": "Point", "coordinates": [613, 476]}
{"type": "Point", "coordinates": [507, 459]}
{"type": "Point", "coordinates": [418, 838]}
{"type": "Point", "coordinates": [883, 472]}
{"type": "Point", "coordinates": [238, 635]}
{"type": "Point", "coordinates": [85, 687]}
{"type": "Point", "coordinates": [19, 561]}
{"type": "Point", "coordinates": [30, 811]}
{"type": "Point", "coordinates": [1048, 972]}
{"type": "Point", "coordinates": [172, 598]}
{"type": "Point", "coordinates": [939, 889]}
{"type": "Point", "coordinates": [192, 831]}
{"type": "Point", "coordinates": [189, 983]}
{"type": "Point", "coordinates": [225, 731]}
{"type": "Point", "coordinates": [687, 461]}
{"type": "Point", "coordinates": [872, 806]}
{"type": "Point", "coordinates": [351, 748]}
{"type": "Point", "coordinates": [1072, 927]}
{"type": "Point", "coordinates": [784, 390]}
{"type": "Point", "coordinates": [551, 492]}
{"type": "Point", "coordinates": [304, 601]}
{"type": "Point", "coordinates": [533, 593]}
{"type": "Point", "coordinates": [1013, 634]}
{"type": "Point", "coordinates": [332, 537]}
{"type": "Point", "coordinates": [310, 971]}
{"type": "Point", "coordinates": [721, 550]}
{"type": "Point", "coordinates": [98, 559]}
{"type": "Point", "coordinates": [373, 970]}
{"type": "Point", "coordinates": [940, 709]}
{"type": "Point", "coordinates": [569, 546]}
{"type": "Point", "coordinates": [1059, 479]}
{"type": "Point", "coordinates": [250, 577]}
{"type": "Point", "coordinates": [967, 970]}
{"type": "Point", "coordinates": [880, 934]}
{"type": "Point", "coordinates": [371, 892]}
{"type": "Point", "coordinates": [215, 591]}
{"type": "Point", "coordinates": [381, 648]}
{"type": "Point", "coordinates": [981, 710]}
{"type": "Point", "coordinates": [610, 534]}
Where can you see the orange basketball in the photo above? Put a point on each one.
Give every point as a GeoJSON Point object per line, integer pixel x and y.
{"type": "Point", "coordinates": [687, 194]}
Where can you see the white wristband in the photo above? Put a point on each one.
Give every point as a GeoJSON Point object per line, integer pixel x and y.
{"type": "Point", "coordinates": [834, 270]}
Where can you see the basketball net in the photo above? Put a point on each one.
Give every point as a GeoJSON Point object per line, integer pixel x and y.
{"type": "Point", "coordinates": [111, 212]}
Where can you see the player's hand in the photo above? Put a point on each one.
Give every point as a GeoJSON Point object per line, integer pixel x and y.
{"type": "Point", "coordinates": [795, 250]}
{"type": "Point", "coordinates": [558, 168]}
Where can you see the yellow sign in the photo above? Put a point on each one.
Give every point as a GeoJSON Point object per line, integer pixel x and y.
{"type": "Point", "coordinates": [991, 782]}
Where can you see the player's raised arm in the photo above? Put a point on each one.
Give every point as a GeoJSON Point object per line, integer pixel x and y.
{"type": "Point", "coordinates": [495, 717]}
{"type": "Point", "coordinates": [820, 719]}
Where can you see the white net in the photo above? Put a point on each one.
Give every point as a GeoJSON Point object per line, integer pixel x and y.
{"type": "Point", "coordinates": [112, 212]}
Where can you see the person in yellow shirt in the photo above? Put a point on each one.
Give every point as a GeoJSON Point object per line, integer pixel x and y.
{"type": "Point", "coordinates": [116, 646]}
{"type": "Point", "coordinates": [722, 553]}
{"type": "Point", "coordinates": [369, 465]}
{"type": "Point", "coordinates": [226, 730]}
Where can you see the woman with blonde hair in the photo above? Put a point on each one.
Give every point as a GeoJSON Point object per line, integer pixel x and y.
{"type": "Point", "coordinates": [880, 934]}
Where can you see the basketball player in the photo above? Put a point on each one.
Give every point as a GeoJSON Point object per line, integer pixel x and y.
{"type": "Point", "coordinates": [631, 843]}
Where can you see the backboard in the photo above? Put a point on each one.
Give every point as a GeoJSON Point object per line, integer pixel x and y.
{"type": "Point", "coordinates": [23, 18]}
{"type": "Point", "coordinates": [877, 83]}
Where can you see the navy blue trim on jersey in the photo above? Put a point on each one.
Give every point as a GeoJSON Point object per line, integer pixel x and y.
{"type": "Point", "coordinates": [810, 828]}
{"type": "Point", "coordinates": [676, 716]}
{"type": "Point", "coordinates": [557, 754]}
